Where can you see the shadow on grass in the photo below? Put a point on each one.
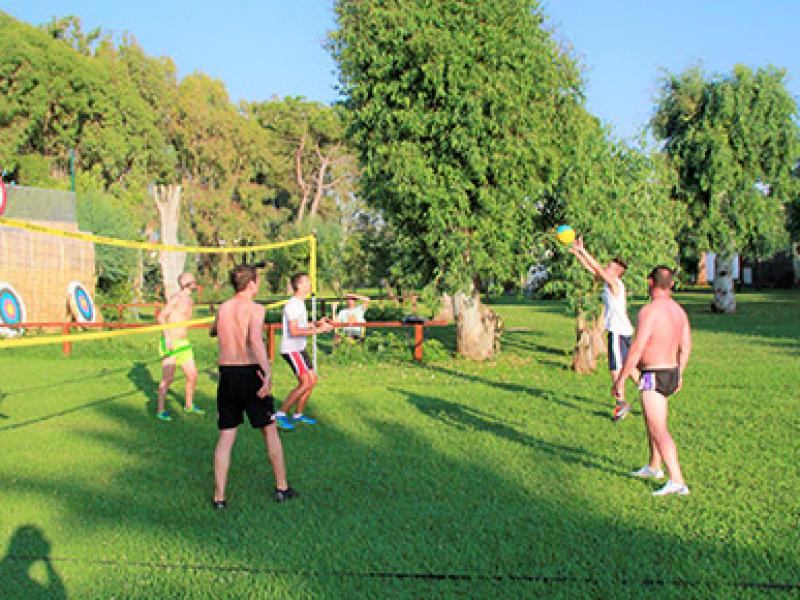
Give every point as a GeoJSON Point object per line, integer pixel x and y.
{"type": "Point", "coordinates": [139, 374]}
{"type": "Point", "coordinates": [68, 411]}
{"type": "Point", "coordinates": [62, 382]}
{"type": "Point", "coordinates": [571, 401]}
{"type": "Point", "coordinates": [468, 418]}
{"type": "Point", "coordinates": [27, 547]}
{"type": "Point", "coordinates": [382, 514]}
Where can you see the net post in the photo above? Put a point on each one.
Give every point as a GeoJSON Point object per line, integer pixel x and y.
{"type": "Point", "coordinates": [66, 347]}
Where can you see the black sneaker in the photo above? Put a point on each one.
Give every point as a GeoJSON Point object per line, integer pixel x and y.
{"type": "Point", "coordinates": [219, 504]}
{"type": "Point", "coordinates": [284, 495]}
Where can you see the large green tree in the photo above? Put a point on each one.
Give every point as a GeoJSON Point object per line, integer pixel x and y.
{"type": "Point", "coordinates": [456, 112]}
{"type": "Point", "coordinates": [733, 142]}
{"type": "Point", "coordinates": [617, 198]}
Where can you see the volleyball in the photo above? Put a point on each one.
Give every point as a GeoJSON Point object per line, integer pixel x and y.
{"type": "Point", "coordinates": [565, 234]}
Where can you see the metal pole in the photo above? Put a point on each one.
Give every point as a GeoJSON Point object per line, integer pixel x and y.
{"type": "Point", "coordinates": [313, 269]}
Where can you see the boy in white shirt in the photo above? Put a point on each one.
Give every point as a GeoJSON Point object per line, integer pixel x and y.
{"type": "Point", "coordinates": [617, 323]}
{"type": "Point", "coordinates": [293, 350]}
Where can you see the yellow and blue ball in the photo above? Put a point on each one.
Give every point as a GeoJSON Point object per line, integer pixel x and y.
{"type": "Point", "coordinates": [565, 234]}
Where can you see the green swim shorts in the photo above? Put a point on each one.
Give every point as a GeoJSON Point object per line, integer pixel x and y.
{"type": "Point", "coordinates": [181, 350]}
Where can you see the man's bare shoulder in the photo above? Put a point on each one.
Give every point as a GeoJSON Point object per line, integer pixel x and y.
{"type": "Point", "coordinates": [647, 311]}
{"type": "Point", "coordinates": [257, 310]}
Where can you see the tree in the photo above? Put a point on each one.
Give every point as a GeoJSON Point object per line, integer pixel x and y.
{"type": "Point", "coordinates": [456, 110]}
{"type": "Point", "coordinates": [733, 141]}
{"type": "Point", "coordinates": [99, 213]}
{"type": "Point", "coordinates": [617, 198]}
{"type": "Point", "coordinates": [312, 134]}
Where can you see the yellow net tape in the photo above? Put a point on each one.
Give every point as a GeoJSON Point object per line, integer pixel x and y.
{"type": "Point", "coordinates": [102, 335]}
{"type": "Point", "coordinates": [107, 241]}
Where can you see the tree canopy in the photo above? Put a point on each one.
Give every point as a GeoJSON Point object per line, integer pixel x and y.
{"type": "Point", "coordinates": [456, 112]}
{"type": "Point", "coordinates": [132, 125]}
{"type": "Point", "coordinates": [733, 142]}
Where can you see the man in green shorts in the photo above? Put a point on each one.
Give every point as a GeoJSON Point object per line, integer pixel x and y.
{"type": "Point", "coordinates": [175, 348]}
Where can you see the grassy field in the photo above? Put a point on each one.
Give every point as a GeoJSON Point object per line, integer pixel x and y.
{"type": "Point", "coordinates": [443, 480]}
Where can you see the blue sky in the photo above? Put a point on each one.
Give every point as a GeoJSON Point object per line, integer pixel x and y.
{"type": "Point", "coordinates": [260, 48]}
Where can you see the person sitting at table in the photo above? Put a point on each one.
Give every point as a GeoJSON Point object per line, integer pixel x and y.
{"type": "Point", "coordinates": [354, 313]}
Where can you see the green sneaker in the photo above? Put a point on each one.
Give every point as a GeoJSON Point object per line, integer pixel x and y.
{"type": "Point", "coordinates": [163, 416]}
{"type": "Point", "coordinates": [194, 410]}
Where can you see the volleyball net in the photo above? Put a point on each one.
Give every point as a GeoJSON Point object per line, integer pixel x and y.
{"type": "Point", "coordinates": [12, 312]}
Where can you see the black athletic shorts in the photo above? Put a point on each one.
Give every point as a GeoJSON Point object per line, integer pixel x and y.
{"type": "Point", "coordinates": [237, 393]}
{"type": "Point", "coordinates": [663, 381]}
{"type": "Point", "coordinates": [618, 347]}
{"type": "Point", "coordinates": [299, 361]}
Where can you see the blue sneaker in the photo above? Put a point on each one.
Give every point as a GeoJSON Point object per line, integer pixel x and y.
{"type": "Point", "coordinates": [163, 416]}
{"type": "Point", "coordinates": [194, 410]}
{"type": "Point", "coordinates": [283, 423]}
{"type": "Point", "coordinates": [304, 419]}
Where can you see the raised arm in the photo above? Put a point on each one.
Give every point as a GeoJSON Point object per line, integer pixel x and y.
{"type": "Point", "coordinates": [591, 264]}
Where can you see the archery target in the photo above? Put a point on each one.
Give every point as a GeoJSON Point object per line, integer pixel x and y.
{"type": "Point", "coordinates": [12, 309]}
{"type": "Point", "coordinates": [80, 303]}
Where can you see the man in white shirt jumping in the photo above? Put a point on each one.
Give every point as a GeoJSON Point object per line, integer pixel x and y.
{"type": "Point", "coordinates": [293, 350]}
{"type": "Point", "coordinates": [617, 323]}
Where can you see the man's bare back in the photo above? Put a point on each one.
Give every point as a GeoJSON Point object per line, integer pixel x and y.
{"type": "Point", "coordinates": [234, 321]}
{"type": "Point", "coordinates": [666, 327]}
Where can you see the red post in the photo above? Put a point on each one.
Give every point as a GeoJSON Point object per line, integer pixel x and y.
{"type": "Point", "coordinates": [120, 310]}
{"type": "Point", "coordinates": [271, 343]}
{"type": "Point", "coordinates": [66, 347]}
{"type": "Point", "coordinates": [418, 337]}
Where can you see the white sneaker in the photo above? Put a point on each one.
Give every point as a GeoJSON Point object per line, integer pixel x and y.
{"type": "Point", "coordinates": [647, 473]}
{"type": "Point", "coordinates": [672, 488]}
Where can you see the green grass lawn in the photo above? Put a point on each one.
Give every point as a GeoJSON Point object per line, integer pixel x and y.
{"type": "Point", "coordinates": [441, 480]}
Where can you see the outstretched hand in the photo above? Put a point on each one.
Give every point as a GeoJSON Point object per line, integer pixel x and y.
{"type": "Point", "coordinates": [266, 385]}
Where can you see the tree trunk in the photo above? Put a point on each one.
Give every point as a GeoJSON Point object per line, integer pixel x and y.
{"type": "Point", "coordinates": [445, 309]}
{"type": "Point", "coordinates": [702, 272]}
{"type": "Point", "coordinates": [301, 182]}
{"type": "Point", "coordinates": [584, 357]}
{"type": "Point", "coordinates": [724, 299]}
{"type": "Point", "coordinates": [138, 282]}
{"type": "Point", "coordinates": [319, 191]}
{"type": "Point", "coordinates": [598, 336]}
{"type": "Point", "coordinates": [476, 327]}
{"type": "Point", "coordinates": [168, 203]}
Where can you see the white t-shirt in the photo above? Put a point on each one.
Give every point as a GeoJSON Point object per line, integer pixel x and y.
{"type": "Point", "coordinates": [352, 315]}
{"type": "Point", "coordinates": [293, 310]}
{"type": "Point", "coordinates": [616, 310]}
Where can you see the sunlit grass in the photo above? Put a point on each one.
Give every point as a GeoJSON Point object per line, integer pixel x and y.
{"type": "Point", "coordinates": [507, 479]}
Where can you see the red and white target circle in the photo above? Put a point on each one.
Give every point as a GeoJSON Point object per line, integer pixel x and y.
{"type": "Point", "coordinates": [80, 303]}
{"type": "Point", "coordinates": [12, 310]}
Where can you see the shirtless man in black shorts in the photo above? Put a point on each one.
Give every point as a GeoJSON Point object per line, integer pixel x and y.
{"type": "Point", "coordinates": [245, 382]}
{"type": "Point", "coordinates": [661, 351]}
